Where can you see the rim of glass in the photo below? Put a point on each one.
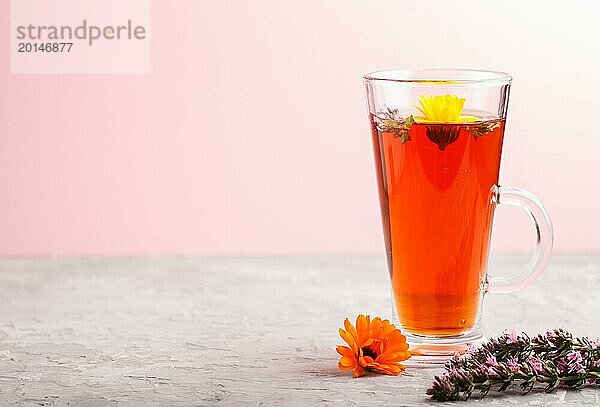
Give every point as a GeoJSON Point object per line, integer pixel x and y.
{"type": "Point", "coordinates": [432, 76]}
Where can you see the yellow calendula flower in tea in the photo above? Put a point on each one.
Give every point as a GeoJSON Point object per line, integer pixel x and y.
{"type": "Point", "coordinates": [442, 109]}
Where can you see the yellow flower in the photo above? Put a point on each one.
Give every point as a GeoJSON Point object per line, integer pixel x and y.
{"type": "Point", "coordinates": [442, 109]}
{"type": "Point", "coordinates": [374, 344]}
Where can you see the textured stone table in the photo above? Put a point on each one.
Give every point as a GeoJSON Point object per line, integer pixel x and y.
{"type": "Point", "coordinates": [236, 331]}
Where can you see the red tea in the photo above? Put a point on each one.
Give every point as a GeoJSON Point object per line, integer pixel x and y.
{"type": "Point", "coordinates": [435, 187]}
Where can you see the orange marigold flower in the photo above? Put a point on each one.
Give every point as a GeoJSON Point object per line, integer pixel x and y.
{"type": "Point", "coordinates": [374, 344]}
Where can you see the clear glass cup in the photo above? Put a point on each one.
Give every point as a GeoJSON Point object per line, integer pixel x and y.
{"type": "Point", "coordinates": [437, 137]}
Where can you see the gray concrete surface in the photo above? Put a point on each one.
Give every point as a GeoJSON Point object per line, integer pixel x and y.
{"type": "Point", "coordinates": [236, 331]}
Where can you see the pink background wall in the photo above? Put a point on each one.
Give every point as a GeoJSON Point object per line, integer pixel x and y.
{"type": "Point", "coordinates": [250, 135]}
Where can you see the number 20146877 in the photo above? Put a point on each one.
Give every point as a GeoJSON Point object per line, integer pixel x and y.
{"type": "Point", "coordinates": [44, 47]}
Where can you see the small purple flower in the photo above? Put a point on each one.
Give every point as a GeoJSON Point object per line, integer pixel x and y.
{"type": "Point", "coordinates": [575, 361]}
{"type": "Point", "coordinates": [550, 335]}
{"type": "Point", "coordinates": [513, 364]}
{"type": "Point", "coordinates": [470, 349]}
{"type": "Point", "coordinates": [460, 357]}
{"type": "Point", "coordinates": [491, 361]}
{"type": "Point", "coordinates": [442, 388]}
{"type": "Point", "coordinates": [512, 336]}
{"type": "Point", "coordinates": [489, 370]}
{"type": "Point", "coordinates": [595, 343]}
{"type": "Point", "coordinates": [456, 356]}
{"type": "Point", "coordinates": [453, 374]}
{"type": "Point", "coordinates": [571, 363]}
{"type": "Point", "coordinates": [574, 356]}
{"type": "Point", "coordinates": [535, 363]}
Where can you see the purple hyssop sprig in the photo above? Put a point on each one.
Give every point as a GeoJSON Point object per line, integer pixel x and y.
{"type": "Point", "coordinates": [553, 359]}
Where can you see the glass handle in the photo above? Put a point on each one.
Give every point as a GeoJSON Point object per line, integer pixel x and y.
{"type": "Point", "coordinates": [544, 235]}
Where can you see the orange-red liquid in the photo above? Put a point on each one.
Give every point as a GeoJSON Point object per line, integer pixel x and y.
{"type": "Point", "coordinates": [436, 205]}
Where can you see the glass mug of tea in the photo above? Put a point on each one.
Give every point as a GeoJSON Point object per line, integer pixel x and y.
{"type": "Point", "coordinates": [437, 137]}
